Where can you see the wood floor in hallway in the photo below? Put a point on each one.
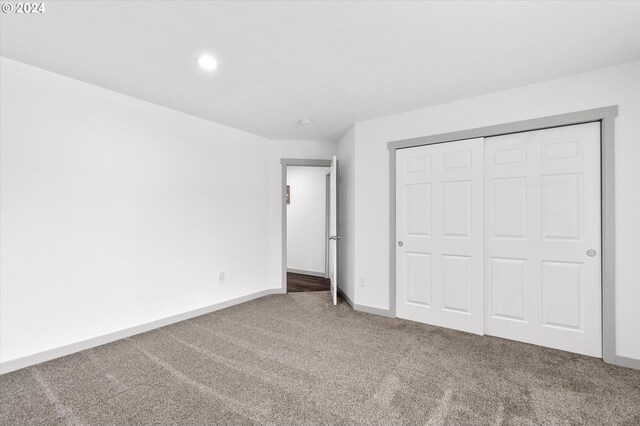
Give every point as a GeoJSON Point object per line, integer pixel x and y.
{"type": "Point", "coordinates": [300, 282]}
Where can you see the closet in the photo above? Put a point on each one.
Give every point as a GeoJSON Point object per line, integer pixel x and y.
{"type": "Point", "coordinates": [502, 235]}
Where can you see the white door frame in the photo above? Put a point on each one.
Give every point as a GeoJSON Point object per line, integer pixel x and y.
{"type": "Point", "coordinates": [299, 162]}
{"type": "Point", "coordinates": [605, 116]}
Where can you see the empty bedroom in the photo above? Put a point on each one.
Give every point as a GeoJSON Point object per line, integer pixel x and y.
{"type": "Point", "coordinates": [319, 212]}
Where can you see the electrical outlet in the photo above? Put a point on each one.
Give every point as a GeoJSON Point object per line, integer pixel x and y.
{"type": "Point", "coordinates": [221, 277]}
{"type": "Point", "coordinates": [362, 281]}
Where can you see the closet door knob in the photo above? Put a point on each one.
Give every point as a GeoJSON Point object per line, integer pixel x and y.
{"type": "Point", "coordinates": [591, 253]}
{"type": "Point", "coordinates": [400, 243]}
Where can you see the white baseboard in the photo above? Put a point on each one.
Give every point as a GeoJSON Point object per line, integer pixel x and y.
{"type": "Point", "coordinates": [625, 361]}
{"type": "Point", "coordinates": [373, 311]}
{"type": "Point", "coordinates": [37, 358]}
{"type": "Point", "coordinates": [366, 309]}
{"type": "Point", "coordinates": [345, 297]}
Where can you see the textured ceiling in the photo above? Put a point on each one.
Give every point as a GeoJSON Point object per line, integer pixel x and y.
{"type": "Point", "coordinates": [335, 62]}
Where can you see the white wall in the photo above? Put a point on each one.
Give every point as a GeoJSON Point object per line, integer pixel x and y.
{"type": "Point", "coordinates": [306, 219]}
{"type": "Point", "coordinates": [116, 212]}
{"type": "Point", "coordinates": [618, 85]}
{"type": "Point", "coordinates": [278, 150]}
{"type": "Point", "coordinates": [346, 219]}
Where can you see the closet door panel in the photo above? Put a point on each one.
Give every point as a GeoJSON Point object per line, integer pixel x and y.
{"type": "Point", "coordinates": [439, 229]}
{"type": "Point", "coordinates": [543, 231]}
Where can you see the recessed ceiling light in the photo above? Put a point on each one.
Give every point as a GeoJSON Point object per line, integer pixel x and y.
{"type": "Point", "coordinates": [305, 122]}
{"type": "Point", "coordinates": [207, 62]}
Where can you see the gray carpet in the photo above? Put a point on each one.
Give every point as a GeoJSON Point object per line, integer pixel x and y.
{"type": "Point", "coordinates": [296, 359]}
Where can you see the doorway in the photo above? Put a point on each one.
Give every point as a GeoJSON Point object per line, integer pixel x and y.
{"type": "Point", "coordinates": [307, 243]}
{"type": "Point", "coordinates": [309, 225]}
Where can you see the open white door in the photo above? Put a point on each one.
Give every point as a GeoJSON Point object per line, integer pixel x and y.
{"type": "Point", "coordinates": [333, 229]}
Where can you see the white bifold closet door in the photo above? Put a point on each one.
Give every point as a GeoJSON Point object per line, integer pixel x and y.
{"type": "Point", "coordinates": [439, 226]}
{"type": "Point", "coordinates": [542, 238]}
